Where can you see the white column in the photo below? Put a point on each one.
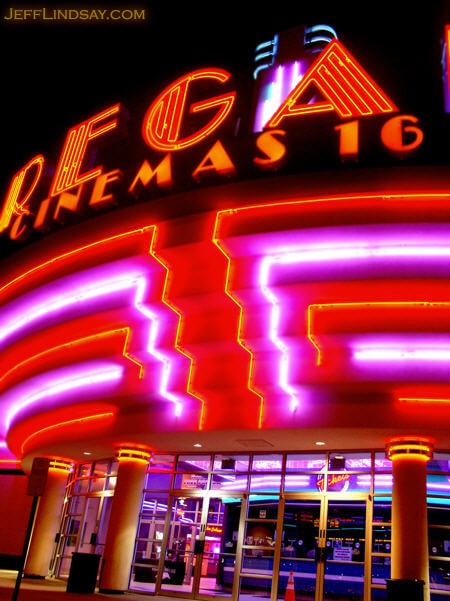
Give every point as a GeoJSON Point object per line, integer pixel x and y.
{"type": "Point", "coordinates": [126, 504]}
{"type": "Point", "coordinates": [47, 520]}
{"type": "Point", "coordinates": [409, 552]}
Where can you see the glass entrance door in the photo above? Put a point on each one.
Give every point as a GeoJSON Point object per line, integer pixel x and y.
{"type": "Point", "coordinates": [323, 555]}
{"type": "Point", "coordinates": [182, 545]}
{"type": "Point", "coordinates": [299, 548]}
{"type": "Point", "coordinates": [345, 550]}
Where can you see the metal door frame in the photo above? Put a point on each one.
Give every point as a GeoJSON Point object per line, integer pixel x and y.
{"type": "Point", "coordinates": [324, 499]}
{"type": "Point", "coordinates": [205, 496]}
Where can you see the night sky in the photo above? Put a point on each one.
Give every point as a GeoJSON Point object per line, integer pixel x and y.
{"type": "Point", "coordinates": [56, 75]}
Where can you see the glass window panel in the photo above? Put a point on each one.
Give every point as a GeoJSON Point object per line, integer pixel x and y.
{"type": "Point", "coordinates": [154, 504]}
{"type": "Point", "coordinates": [191, 481]}
{"type": "Point", "coordinates": [300, 534]}
{"type": "Point", "coordinates": [381, 463]}
{"type": "Point", "coordinates": [84, 470]}
{"type": "Point", "coordinates": [383, 484]}
{"type": "Point", "coordinates": [381, 570]}
{"type": "Point", "coordinates": [81, 485]}
{"type": "Point", "coordinates": [193, 463]}
{"type": "Point", "coordinates": [304, 573]}
{"type": "Point", "coordinates": [346, 482]}
{"type": "Point", "coordinates": [313, 462]}
{"type": "Point", "coordinates": [352, 462]}
{"type": "Point", "coordinates": [267, 463]}
{"type": "Point", "coordinates": [438, 515]}
{"type": "Point", "coordinates": [300, 482]}
{"type": "Point", "coordinates": [114, 467]}
{"type": "Point", "coordinates": [382, 511]}
{"type": "Point", "coordinates": [439, 542]}
{"type": "Point", "coordinates": [381, 539]}
{"type": "Point", "coordinates": [439, 463]}
{"type": "Point", "coordinates": [264, 507]}
{"type": "Point", "coordinates": [77, 503]}
{"type": "Point", "coordinates": [265, 483]}
{"type": "Point", "coordinates": [258, 588]}
{"type": "Point", "coordinates": [438, 485]}
{"type": "Point", "coordinates": [232, 482]}
{"type": "Point", "coordinates": [111, 482]}
{"type": "Point", "coordinates": [260, 534]}
{"type": "Point", "coordinates": [161, 463]}
{"type": "Point", "coordinates": [97, 484]}
{"type": "Point", "coordinates": [100, 469]}
{"type": "Point", "coordinates": [158, 481]}
{"type": "Point", "coordinates": [439, 575]}
{"type": "Point", "coordinates": [231, 463]}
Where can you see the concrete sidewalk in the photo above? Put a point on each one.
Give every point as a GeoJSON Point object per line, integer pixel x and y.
{"type": "Point", "coordinates": [55, 590]}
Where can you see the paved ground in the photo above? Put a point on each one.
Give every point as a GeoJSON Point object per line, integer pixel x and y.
{"type": "Point", "coordinates": [55, 590]}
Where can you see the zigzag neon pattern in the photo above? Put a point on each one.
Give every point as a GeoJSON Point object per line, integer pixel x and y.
{"type": "Point", "coordinates": [292, 255]}
{"type": "Point", "coordinates": [97, 290]}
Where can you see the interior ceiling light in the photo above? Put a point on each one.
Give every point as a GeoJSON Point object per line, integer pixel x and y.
{"type": "Point", "coordinates": [319, 443]}
{"type": "Point", "coordinates": [197, 444]}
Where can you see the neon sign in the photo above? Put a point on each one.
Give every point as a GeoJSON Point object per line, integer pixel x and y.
{"type": "Point", "coordinates": [182, 119]}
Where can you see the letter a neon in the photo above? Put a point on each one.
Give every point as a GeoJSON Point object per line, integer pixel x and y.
{"type": "Point", "coordinates": [346, 88]}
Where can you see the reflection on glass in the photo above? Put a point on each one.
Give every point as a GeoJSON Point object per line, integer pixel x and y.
{"type": "Point", "coordinates": [439, 463]}
{"type": "Point", "coordinates": [267, 463]}
{"type": "Point", "coordinates": [351, 462]}
{"type": "Point", "coordinates": [265, 483]}
{"type": "Point", "coordinates": [381, 539]}
{"type": "Point", "coordinates": [230, 463]}
{"type": "Point", "coordinates": [191, 481]}
{"type": "Point", "coordinates": [439, 574]}
{"type": "Point", "coordinates": [179, 563]}
{"type": "Point", "coordinates": [345, 551]}
{"type": "Point", "coordinates": [438, 485]}
{"type": "Point", "coordinates": [89, 529]}
{"type": "Point", "coordinates": [315, 462]}
{"type": "Point", "coordinates": [381, 570]}
{"type": "Point", "coordinates": [298, 548]}
{"type": "Point", "coordinates": [382, 464]}
{"type": "Point", "coordinates": [219, 557]}
{"type": "Point", "coordinates": [193, 463]}
{"type": "Point", "coordinates": [162, 463]}
{"type": "Point", "coordinates": [257, 588]}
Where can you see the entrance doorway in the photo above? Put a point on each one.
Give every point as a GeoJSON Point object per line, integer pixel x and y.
{"type": "Point", "coordinates": [249, 547]}
{"type": "Point", "coordinates": [323, 548]}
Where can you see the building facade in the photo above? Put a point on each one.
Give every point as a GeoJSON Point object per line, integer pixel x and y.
{"type": "Point", "coordinates": [241, 382]}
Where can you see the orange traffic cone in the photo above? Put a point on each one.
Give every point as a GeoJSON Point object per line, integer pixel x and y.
{"type": "Point", "coordinates": [290, 590]}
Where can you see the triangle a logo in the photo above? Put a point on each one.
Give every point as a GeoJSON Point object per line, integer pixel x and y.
{"type": "Point", "coordinates": [346, 88]}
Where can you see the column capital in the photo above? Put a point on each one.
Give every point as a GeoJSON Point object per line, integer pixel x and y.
{"type": "Point", "coordinates": [409, 446]}
{"type": "Point", "coordinates": [128, 452]}
{"type": "Point", "coordinates": [61, 465]}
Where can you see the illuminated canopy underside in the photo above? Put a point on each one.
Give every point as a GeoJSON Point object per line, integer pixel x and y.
{"type": "Point", "coordinates": [317, 313]}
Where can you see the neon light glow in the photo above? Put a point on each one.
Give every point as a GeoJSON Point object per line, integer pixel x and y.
{"type": "Point", "coordinates": [14, 206]}
{"type": "Point", "coordinates": [162, 123]}
{"type": "Point", "coordinates": [71, 422]}
{"type": "Point", "coordinates": [388, 354]}
{"type": "Point", "coordinates": [446, 68]}
{"type": "Point", "coordinates": [423, 400]}
{"type": "Point", "coordinates": [217, 242]}
{"type": "Point", "coordinates": [62, 297]}
{"type": "Point", "coordinates": [67, 173]}
{"type": "Point", "coordinates": [347, 88]}
{"type": "Point", "coordinates": [86, 376]}
{"type": "Point", "coordinates": [377, 244]}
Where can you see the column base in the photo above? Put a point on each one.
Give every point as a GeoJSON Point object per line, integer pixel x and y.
{"type": "Point", "coordinates": [110, 591]}
{"type": "Point", "coordinates": [413, 590]}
